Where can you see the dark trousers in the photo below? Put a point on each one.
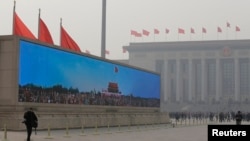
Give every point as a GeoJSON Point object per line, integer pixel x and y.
{"type": "Point", "coordinates": [29, 131]}
{"type": "Point", "coordinates": [238, 122]}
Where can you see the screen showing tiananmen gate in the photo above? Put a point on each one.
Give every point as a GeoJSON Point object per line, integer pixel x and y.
{"type": "Point", "coordinates": [51, 75]}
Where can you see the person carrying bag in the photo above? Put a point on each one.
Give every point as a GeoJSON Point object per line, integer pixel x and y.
{"type": "Point", "coordinates": [30, 120]}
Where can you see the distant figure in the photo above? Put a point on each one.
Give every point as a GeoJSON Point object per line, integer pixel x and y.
{"type": "Point", "coordinates": [221, 117]}
{"type": "Point", "coordinates": [238, 118]}
{"type": "Point", "coordinates": [30, 120]}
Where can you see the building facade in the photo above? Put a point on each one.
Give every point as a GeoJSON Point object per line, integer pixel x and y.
{"type": "Point", "coordinates": [204, 73]}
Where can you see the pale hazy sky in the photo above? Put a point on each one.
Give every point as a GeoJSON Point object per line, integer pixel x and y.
{"type": "Point", "coordinates": [82, 20]}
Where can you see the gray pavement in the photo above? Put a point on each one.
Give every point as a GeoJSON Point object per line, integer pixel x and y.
{"type": "Point", "coordinates": [185, 131]}
{"type": "Point", "coordinates": [163, 132]}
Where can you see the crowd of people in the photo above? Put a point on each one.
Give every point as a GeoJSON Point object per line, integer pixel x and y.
{"type": "Point", "coordinates": [212, 116]}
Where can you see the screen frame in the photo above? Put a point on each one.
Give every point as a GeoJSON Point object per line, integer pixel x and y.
{"type": "Point", "coordinates": [91, 57]}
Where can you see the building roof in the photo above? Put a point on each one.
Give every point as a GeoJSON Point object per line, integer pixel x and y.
{"type": "Point", "coordinates": [188, 45]}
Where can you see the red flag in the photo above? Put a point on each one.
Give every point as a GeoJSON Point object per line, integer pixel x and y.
{"type": "Point", "coordinates": [21, 29]}
{"type": "Point", "coordinates": [204, 30]}
{"type": "Point", "coordinates": [116, 69]}
{"type": "Point", "coordinates": [181, 31]}
{"type": "Point", "coordinates": [67, 41]}
{"type": "Point", "coordinates": [167, 31]}
{"type": "Point", "coordinates": [156, 31]}
{"type": "Point", "coordinates": [219, 29]}
{"type": "Point", "coordinates": [138, 34]}
{"type": "Point", "coordinates": [228, 24]}
{"type": "Point", "coordinates": [145, 32]}
{"type": "Point", "coordinates": [192, 30]}
{"type": "Point", "coordinates": [133, 32]}
{"type": "Point", "coordinates": [44, 34]}
{"type": "Point", "coordinates": [237, 29]}
{"type": "Point", "coordinates": [106, 51]}
{"type": "Point", "coordinates": [124, 50]}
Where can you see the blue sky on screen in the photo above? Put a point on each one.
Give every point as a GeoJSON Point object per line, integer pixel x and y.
{"type": "Point", "coordinates": [46, 67]}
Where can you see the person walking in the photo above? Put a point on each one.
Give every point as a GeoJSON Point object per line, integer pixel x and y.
{"type": "Point", "coordinates": [238, 118]}
{"type": "Point", "coordinates": [30, 120]}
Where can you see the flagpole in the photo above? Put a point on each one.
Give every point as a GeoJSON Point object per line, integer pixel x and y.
{"type": "Point", "coordinates": [103, 37]}
{"type": "Point", "coordinates": [227, 33]}
{"type": "Point", "coordinates": [60, 32]}
{"type": "Point", "coordinates": [39, 14]}
{"type": "Point", "coordinates": [204, 31]}
{"type": "Point", "coordinates": [13, 24]}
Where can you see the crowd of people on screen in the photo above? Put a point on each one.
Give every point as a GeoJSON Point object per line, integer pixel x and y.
{"type": "Point", "coordinates": [86, 98]}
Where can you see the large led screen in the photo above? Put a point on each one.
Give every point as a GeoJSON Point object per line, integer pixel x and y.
{"type": "Point", "coordinates": [51, 75]}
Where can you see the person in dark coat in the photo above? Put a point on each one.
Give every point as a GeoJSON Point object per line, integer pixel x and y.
{"type": "Point", "coordinates": [30, 119]}
{"type": "Point", "coordinates": [238, 118]}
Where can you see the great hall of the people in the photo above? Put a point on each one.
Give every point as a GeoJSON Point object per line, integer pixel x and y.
{"type": "Point", "coordinates": [198, 75]}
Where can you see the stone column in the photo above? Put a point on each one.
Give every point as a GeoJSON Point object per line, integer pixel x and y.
{"type": "Point", "coordinates": [190, 80]}
{"type": "Point", "coordinates": [203, 80]}
{"type": "Point", "coordinates": [236, 79]}
{"type": "Point", "coordinates": [166, 81]}
{"type": "Point", "coordinates": [218, 80]}
{"type": "Point", "coordinates": [178, 80]}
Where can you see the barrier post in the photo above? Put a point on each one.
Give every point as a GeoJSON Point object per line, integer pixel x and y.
{"type": "Point", "coordinates": [96, 129]}
{"type": "Point", "coordinates": [5, 133]}
{"type": "Point", "coordinates": [108, 129]}
{"type": "Point", "coordinates": [138, 127]}
{"type": "Point", "coordinates": [82, 131]}
{"type": "Point", "coordinates": [49, 137]}
{"type": "Point", "coordinates": [129, 127]}
{"type": "Point", "coordinates": [67, 131]}
{"type": "Point", "coordinates": [119, 129]}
